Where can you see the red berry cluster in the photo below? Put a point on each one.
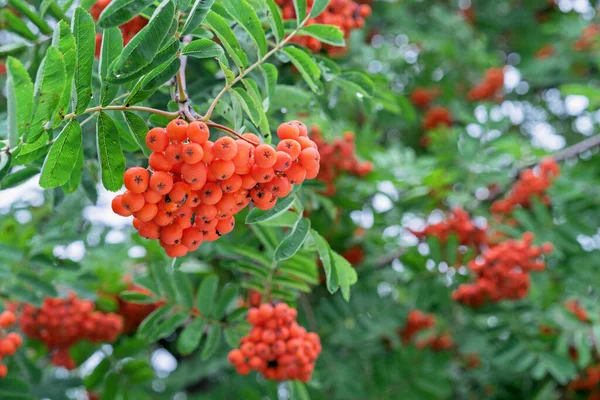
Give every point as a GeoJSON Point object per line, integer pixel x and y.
{"type": "Point", "coordinates": [341, 156]}
{"type": "Point", "coordinates": [346, 14]}
{"type": "Point", "coordinates": [590, 381]}
{"type": "Point", "coordinates": [128, 29]}
{"type": "Point", "coordinates": [436, 117]}
{"type": "Point", "coordinates": [62, 322]}
{"type": "Point", "coordinates": [502, 271]}
{"type": "Point", "coordinates": [9, 342]}
{"type": "Point", "coordinates": [422, 97]}
{"type": "Point", "coordinates": [588, 38]}
{"type": "Point", "coordinates": [458, 222]}
{"type": "Point", "coordinates": [277, 346]}
{"type": "Point", "coordinates": [418, 321]}
{"type": "Point", "coordinates": [579, 312]}
{"type": "Point", "coordinates": [134, 313]}
{"type": "Point", "coordinates": [545, 52]}
{"type": "Point", "coordinates": [196, 186]}
{"type": "Point", "coordinates": [492, 82]}
{"type": "Point", "coordinates": [531, 183]}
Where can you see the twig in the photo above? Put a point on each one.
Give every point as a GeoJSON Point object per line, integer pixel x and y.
{"type": "Point", "coordinates": [212, 124]}
{"type": "Point", "coordinates": [167, 114]}
{"type": "Point", "coordinates": [388, 258]}
{"type": "Point", "coordinates": [250, 68]}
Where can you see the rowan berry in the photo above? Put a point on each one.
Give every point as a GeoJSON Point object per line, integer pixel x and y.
{"type": "Point", "coordinates": [222, 169]}
{"type": "Point", "coordinates": [284, 161]}
{"type": "Point", "coordinates": [208, 156]}
{"type": "Point", "coordinates": [198, 132]}
{"type": "Point", "coordinates": [232, 184]}
{"type": "Point", "coordinates": [302, 130]}
{"type": "Point", "coordinates": [296, 174]}
{"type": "Point", "coordinates": [211, 193]}
{"type": "Point", "coordinates": [159, 161]}
{"type": "Point", "coordinates": [179, 192]}
{"type": "Point", "coordinates": [176, 130]}
{"type": "Point", "coordinates": [171, 234]}
{"type": "Point", "coordinates": [224, 226]}
{"type": "Point", "coordinates": [288, 130]}
{"type": "Point", "coordinates": [133, 201]}
{"type": "Point", "coordinates": [7, 319]}
{"type": "Point", "coordinates": [157, 139]}
{"type": "Point", "coordinates": [147, 212]}
{"type": "Point", "coordinates": [191, 238]}
{"type": "Point", "coordinates": [15, 338]}
{"type": "Point", "coordinates": [265, 156]}
{"type": "Point", "coordinates": [149, 230]}
{"type": "Point", "coordinates": [252, 137]}
{"type": "Point", "coordinates": [4, 370]}
{"type": "Point", "coordinates": [225, 148]}
{"type": "Point", "coordinates": [291, 147]}
{"type": "Point", "coordinates": [162, 217]}
{"type": "Point", "coordinates": [244, 152]}
{"type": "Point", "coordinates": [174, 153]}
{"type": "Point", "coordinates": [248, 182]}
{"type": "Point", "coordinates": [118, 208]}
{"type": "Point", "coordinates": [150, 196]}
{"type": "Point", "coordinates": [176, 250]}
{"type": "Point", "coordinates": [309, 158]}
{"type": "Point", "coordinates": [206, 211]}
{"type": "Point", "coordinates": [194, 174]}
{"type": "Point", "coordinates": [262, 175]}
{"type": "Point", "coordinates": [235, 357]}
{"type": "Point", "coordinates": [161, 182]}
{"type": "Point", "coordinates": [192, 153]}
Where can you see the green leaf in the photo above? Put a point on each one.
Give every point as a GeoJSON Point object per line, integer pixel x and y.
{"type": "Point", "coordinates": [355, 82]}
{"type": "Point", "coordinates": [246, 16]}
{"type": "Point", "coordinates": [94, 379]}
{"type": "Point", "coordinates": [138, 129]}
{"type": "Point", "coordinates": [292, 243]}
{"type": "Point", "coordinates": [162, 279]}
{"type": "Point", "coordinates": [205, 298]}
{"type": "Point", "coordinates": [64, 41]}
{"type": "Point", "coordinates": [49, 86]}
{"type": "Point", "coordinates": [111, 386]}
{"type": "Point", "coordinates": [190, 337]}
{"type": "Point", "coordinates": [318, 7]}
{"type": "Point", "coordinates": [152, 320]}
{"type": "Point", "coordinates": [306, 66]}
{"type": "Point", "coordinates": [248, 104]}
{"type": "Point", "coordinates": [38, 284]}
{"type": "Point", "coordinates": [183, 289]}
{"type": "Point", "coordinates": [111, 156]}
{"type": "Point", "coordinates": [147, 86]}
{"type": "Point", "coordinates": [112, 44]}
{"type": "Point", "coordinates": [212, 342]}
{"type": "Point", "coordinates": [196, 15]}
{"type": "Point", "coordinates": [300, 7]}
{"type": "Point", "coordinates": [202, 48]}
{"type": "Point", "coordinates": [273, 13]}
{"type": "Point", "coordinates": [452, 248]}
{"type": "Point", "coordinates": [298, 391]}
{"type": "Point", "coordinates": [168, 325]}
{"type": "Point", "coordinates": [270, 74]}
{"type": "Point", "coordinates": [292, 284]}
{"type": "Point", "coordinates": [24, 9]}
{"type": "Point", "coordinates": [326, 257]}
{"type": "Point", "coordinates": [137, 297]}
{"type": "Point", "coordinates": [255, 215]}
{"type": "Point", "coordinates": [18, 177]}
{"type": "Point", "coordinates": [330, 34]}
{"type": "Point", "coordinates": [227, 38]}
{"type": "Point", "coordinates": [12, 23]}
{"type": "Point", "coordinates": [228, 295]}
{"type": "Point", "coordinates": [62, 157]}
{"type": "Point", "coordinates": [19, 100]}
{"type": "Point", "coordinates": [120, 11]}
{"type": "Point", "coordinates": [435, 248]}
{"type": "Point", "coordinates": [346, 275]}
{"type": "Point", "coordinates": [5, 164]}
{"type": "Point", "coordinates": [142, 49]}
{"type": "Point", "coordinates": [84, 32]}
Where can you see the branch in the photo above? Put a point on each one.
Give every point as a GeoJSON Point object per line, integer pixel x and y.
{"type": "Point", "coordinates": [250, 68]}
{"type": "Point", "coordinates": [167, 114]}
{"type": "Point", "coordinates": [388, 258]}
{"type": "Point", "coordinates": [223, 128]}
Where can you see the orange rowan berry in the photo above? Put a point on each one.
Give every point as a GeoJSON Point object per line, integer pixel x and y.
{"type": "Point", "coordinates": [133, 201]}
{"type": "Point", "coordinates": [225, 148]}
{"type": "Point", "coordinates": [291, 147]}
{"type": "Point", "coordinates": [136, 179]}
{"type": "Point", "coordinates": [224, 226]}
{"type": "Point", "coordinates": [302, 131]}
{"type": "Point", "coordinates": [211, 193]}
{"type": "Point", "coordinates": [265, 156]}
{"type": "Point", "coordinates": [232, 184]}
{"type": "Point", "coordinates": [194, 174]}
{"type": "Point", "coordinates": [305, 142]}
{"type": "Point", "coordinates": [171, 234]}
{"type": "Point", "coordinates": [243, 369]}
{"type": "Point", "coordinates": [162, 217]}
{"type": "Point", "coordinates": [260, 195]}
{"type": "Point", "coordinates": [206, 211]}
{"type": "Point", "coordinates": [198, 132]}
{"type": "Point", "coordinates": [192, 153]}
{"type": "Point", "coordinates": [176, 250]}
{"type": "Point", "coordinates": [15, 338]}
{"type": "Point", "coordinates": [159, 161]}
{"type": "Point", "coordinates": [309, 158]}
{"type": "Point", "coordinates": [149, 230]}
{"type": "Point", "coordinates": [235, 357]}
{"type": "Point", "coordinates": [296, 174]}
{"type": "Point", "coordinates": [312, 173]}
{"type": "Point", "coordinates": [179, 192]}
{"type": "Point", "coordinates": [161, 182]}
{"type": "Point", "coordinates": [288, 130]}
{"type": "Point", "coordinates": [284, 161]}
{"type": "Point", "coordinates": [222, 169]}
{"type": "Point", "coordinates": [118, 208]}
{"type": "Point", "coordinates": [176, 130]}
{"type": "Point", "coordinates": [147, 212]}
{"type": "Point", "coordinates": [157, 139]}
{"type": "Point", "coordinates": [208, 156]}
{"type": "Point", "coordinates": [150, 196]}
{"type": "Point", "coordinates": [174, 153]}
{"type": "Point", "coordinates": [7, 319]}
{"type": "Point", "coordinates": [252, 137]}
{"type": "Point", "coordinates": [244, 152]}
{"type": "Point", "coordinates": [262, 175]}
{"type": "Point", "coordinates": [191, 238]}
{"type": "Point", "coordinates": [4, 370]}
{"type": "Point", "coordinates": [7, 347]}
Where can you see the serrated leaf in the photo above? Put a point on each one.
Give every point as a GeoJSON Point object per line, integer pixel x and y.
{"type": "Point", "coordinates": [152, 320]}
{"type": "Point", "coordinates": [38, 284]}
{"type": "Point", "coordinates": [346, 275]}
{"type": "Point", "coordinates": [183, 289]}
{"type": "Point", "coordinates": [162, 279]}
{"type": "Point", "coordinates": [273, 13]}
{"type": "Point", "coordinates": [168, 325]}
{"type": "Point", "coordinates": [356, 82]}
{"type": "Point", "coordinates": [19, 100]}
{"type": "Point", "coordinates": [292, 243]}
{"type": "Point", "coordinates": [227, 38]}
{"type": "Point", "coordinates": [246, 16]}
{"type": "Point", "coordinates": [256, 215]}
{"type": "Point", "coordinates": [292, 284]}
{"type": "Point", "coordinates": [24, 9]}
{"type": "Point", "coordinates": [110, 154]}
{"type": "Point", "coordinates": [48, 88]}
{"type": "Point", "coordinates": [111, 47]}
{"type": "Point", "coordinates": [14, 24]}
{"type": "Point", "coordinates": [84, 32]}
{"type": "Point", "coordinates": [205, 298]}
{"type": "Point", "coordinates": [190, 337]}
{"type": "Point", "coordinates": [330, 34]}
{"type": "Point", "coordinates": [300, 7]}
{"type": "Point", "coordinates": [306, 66]}
{"type": "Point", "coordinates": [64, 41]}
{"type": "Point", "coordinates": [18, 177]}
{"type": "Point", "coordinates": [270, 74]}
{"type": "Point", "coordinates": [138, 129]}
{"type": "Point", "coordinates": [202, 48]}
{"type": "Point", "coordinates": [117, 12]}
{"type": "Point", "coordinates": [147, 86]}
{"type": "Point", "coordinates": [133, 296]}
{"type": "Point", "coordinates": [318, 7]}
{"type": "Point", "coordinates": [228, 295]}
{"type": "Point", "coordinates": [144, 46]}
{"type": "Point", "coordinates": [326, 257]}
{"type": "Point", "coordinates": [196, 15]}
{"type": "Point", "coordinates": [213, 338]}
{"type": "Point", "coordinates": [248, 104]}
{"type": "Point", "coordinates": [62, 157]}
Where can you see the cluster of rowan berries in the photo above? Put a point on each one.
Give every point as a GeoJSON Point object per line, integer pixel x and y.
{"type": "Point", "coordinates": [345, 14]}
{"type": "Point", "coordinates": [62, 322]}
{"type": "Point", "coordinates": [418, 321]}
{"type": "Point", "coordinates": [502, 271]}
{"type": "Point", "coordinates": [590, 381]}
{"type": "Point", "coordinates": [579, 312]}
{"type": "Point", "coordinates": [489, 88]}
{"type": "Point", "coordinates": [588, 38]}
{"type": "Point", "coordinates": [341, 157]}
{"type": "Point", "coordinates": [531, 183]}
{"type": "Point", "coordinates": [545, 51]}
{"type": "Point", "coordinates": [276, 346]}
{"type": "Point", "coordinates": [196, 186]}
{"type": "Point", "coordinates": [9, 342]}
{"type": "Point", "coordinates": [436, 117]}
{"type": "Point", "coordinates": [128, 29]}
{"type": "Point", "coordinates": [458, 222]}
{"type": "Point", "coordinates": [422, 97]}
{"type": "Point", "coordinates": [134, 313]}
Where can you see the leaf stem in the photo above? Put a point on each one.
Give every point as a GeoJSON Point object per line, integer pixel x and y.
{"type": "Point", "coordinates": [253, 66]}
{"type": "Point", "coordinates": [212, 124]}
{"type": "Point", "coordinates": [167, 114]}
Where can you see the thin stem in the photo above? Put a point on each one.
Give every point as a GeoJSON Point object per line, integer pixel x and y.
{"type": "Point", "coordinates": [388, 258]}
{"type": "Point", "coordinates": [212, 124]}
{"type": "Point", "coordinates": [250, 68]}
{"type": "Point", "coordinates": [167, 114]}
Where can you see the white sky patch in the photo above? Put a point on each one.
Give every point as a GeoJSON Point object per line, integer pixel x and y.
{"type": "Point", "coordinates": [102, 213]}
{"type": "Point", "coordinates": [512, 77]}
{"type": "Point", "coordinates": [163, 361]}
{"type": "Point", "coordinates": [545, 137]}
{"type": "Point", "coordinates": [576, 104]}
{"type": "Point", "coordinates": [382, 203]}
{"type": "Point", "coordinates": [27, 193]}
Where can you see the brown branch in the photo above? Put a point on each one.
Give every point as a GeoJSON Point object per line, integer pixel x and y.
{"type": "Point", "coordinates": [223, 128]}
